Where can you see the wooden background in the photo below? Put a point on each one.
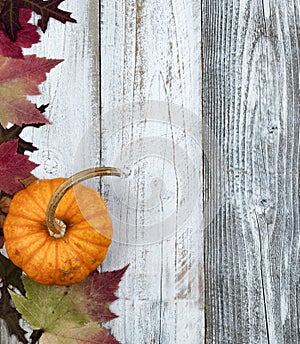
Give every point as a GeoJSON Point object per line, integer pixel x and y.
{"type": "Point", "coordinates": [199, 104]}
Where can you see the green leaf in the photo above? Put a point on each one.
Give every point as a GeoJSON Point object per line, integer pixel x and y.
{"type": "Point", "coordinates": [70, 315]}
{"type": "Point", "coordinates": [89, 333]}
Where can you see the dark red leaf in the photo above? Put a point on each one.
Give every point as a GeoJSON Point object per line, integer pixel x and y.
{"type": "Point", "coordinates": [45, 8]}
{"type": "Point", "coordinates": [13, 167]}
{"type": "Point", "coordinates": [10, 19]}
{"type": "Point", "coordinates": [25, 37]}
{"type": "Point", "coordinates": [10, 275]}
{"type": "Point", "coordinates": [11, 316]}
{"type": "Point", "coordinates": [99, 290]}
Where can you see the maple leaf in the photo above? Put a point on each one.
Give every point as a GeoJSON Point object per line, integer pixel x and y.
{"type": "Point", "coordinates": [26, 36]}
{"type": "Point", "coordinates": [10, 275]}
{"type": "Point", "coordinates": [9, 18]}
{"type": "Point", "coordinates": [18, 78]}
{"type": "Point", "coordinates": [70, 315]}
{"type": "Point", "coordinates": [46, 9]}
{"type": "Point", "coordinates": [13, 167]}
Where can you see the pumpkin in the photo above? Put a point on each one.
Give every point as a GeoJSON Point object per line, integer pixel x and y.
{"type": "Point", "coordinates": [57, 233]}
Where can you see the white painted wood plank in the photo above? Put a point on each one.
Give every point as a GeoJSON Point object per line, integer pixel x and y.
{"type": "Point", "coordinates": [151, 128]}
{"type": "Point", "coordinates": [72, 90]}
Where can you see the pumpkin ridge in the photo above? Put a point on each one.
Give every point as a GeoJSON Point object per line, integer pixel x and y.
{"type": "Point", "coordinates": [85, 241]}
{"type": "Point", "coordinates": [56, 256]}
{"type": "Point", "coordinates": [23, 245]}
{"type": "Point", "coordinates": [44, 258]}
{"type": "Point", "coordinates": [33, 223]}
{"type": "Point", "coordinates": [36, 232]}
{"type": "Point", "coordinates": [71, 253]}
{"type": "Point", "coordinates": [9, 228]}
{"type": "Point", "coordinates": [78, 222]}
{"type": "Point", "coordinates": [28, 195]}
{"type": "Point", "coordinates": [103, 237]}
{"type": "Point", "coordinates": [28, 258]}
{"type": "Point", "coordinates": [79, 254]}
{"type": "Point", "coordinates": [17, 213]}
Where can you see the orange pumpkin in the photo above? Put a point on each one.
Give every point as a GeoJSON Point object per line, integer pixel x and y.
{"type": "Point", "coordinates": [76, 245]}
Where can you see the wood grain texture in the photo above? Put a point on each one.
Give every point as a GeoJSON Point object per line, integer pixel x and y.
{"type": "Point", "coordinates": [151, 128]}
{"type": "Point", "coordinates": [72, 90]}
{"type": "Point", "coordinates": [251, 104]}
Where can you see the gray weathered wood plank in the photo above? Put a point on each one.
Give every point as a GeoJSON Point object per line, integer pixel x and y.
{"type": "Point", "coordinates": [251, 104]}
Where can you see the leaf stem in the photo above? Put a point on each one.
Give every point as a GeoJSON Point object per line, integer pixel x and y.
{"type": "Point", "coordinates": [57, 227]}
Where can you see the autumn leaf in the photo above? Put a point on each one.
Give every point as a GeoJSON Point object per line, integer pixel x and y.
{"type": "Point", "coordinates": [10, 275]}
{"type": "Point", "coordinates": [70, 315]}
{"type": "Point", "coordinates": [13, 167]}
{"type": "Point", "coordinates": [26, 36]}
{"type": "Point", "coordinates": [19, 78]}
{"type": "Point", "coordinates": [12, 133]}
{"type": "Point", "coordinates": [46, 9]}
{"type": "Point", "coordinates": [4, 203]}
{"type": "Point", "coordinates": [9, 19]}
{"type": "Point", "coordinates": [2, 3]}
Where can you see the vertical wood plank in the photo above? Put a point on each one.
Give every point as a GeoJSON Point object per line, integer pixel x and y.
{"type": "Point", "coordinates": [151, 128]}
{"type": "Point", "coordinates": [251, 103]}
{"type": "Point", "coordinates": [72, 90]}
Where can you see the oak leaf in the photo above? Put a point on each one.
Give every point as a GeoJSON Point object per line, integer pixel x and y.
{"type": "Point", "coordinates": [19, 78]}
{"type": "Point", "coordinates": [70, 315]}
{"type": "Point", "coordinates": [13, 167]}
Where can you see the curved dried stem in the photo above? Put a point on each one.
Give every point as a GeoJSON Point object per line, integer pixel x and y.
{"type": "Point", "coordinates": [55, 226]}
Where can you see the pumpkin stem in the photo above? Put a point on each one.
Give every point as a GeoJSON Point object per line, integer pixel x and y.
{"type": "Point", "coordinates": [57, 227]}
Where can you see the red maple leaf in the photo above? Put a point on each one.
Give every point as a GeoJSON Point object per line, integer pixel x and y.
{"type": "Point", "coordinates": [19, 78]}
{"type": "Point", "coordinates": [13, 167]}
{"type": "Point", "coordinates": [25, 37]}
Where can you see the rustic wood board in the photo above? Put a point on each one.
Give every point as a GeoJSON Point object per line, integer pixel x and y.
{"type": "Point", "coordinates": [151, 62]}
{"type": "Point", "coordinates": [251, 103]}
{"type": "Point", "coordinates": [151, 128]}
